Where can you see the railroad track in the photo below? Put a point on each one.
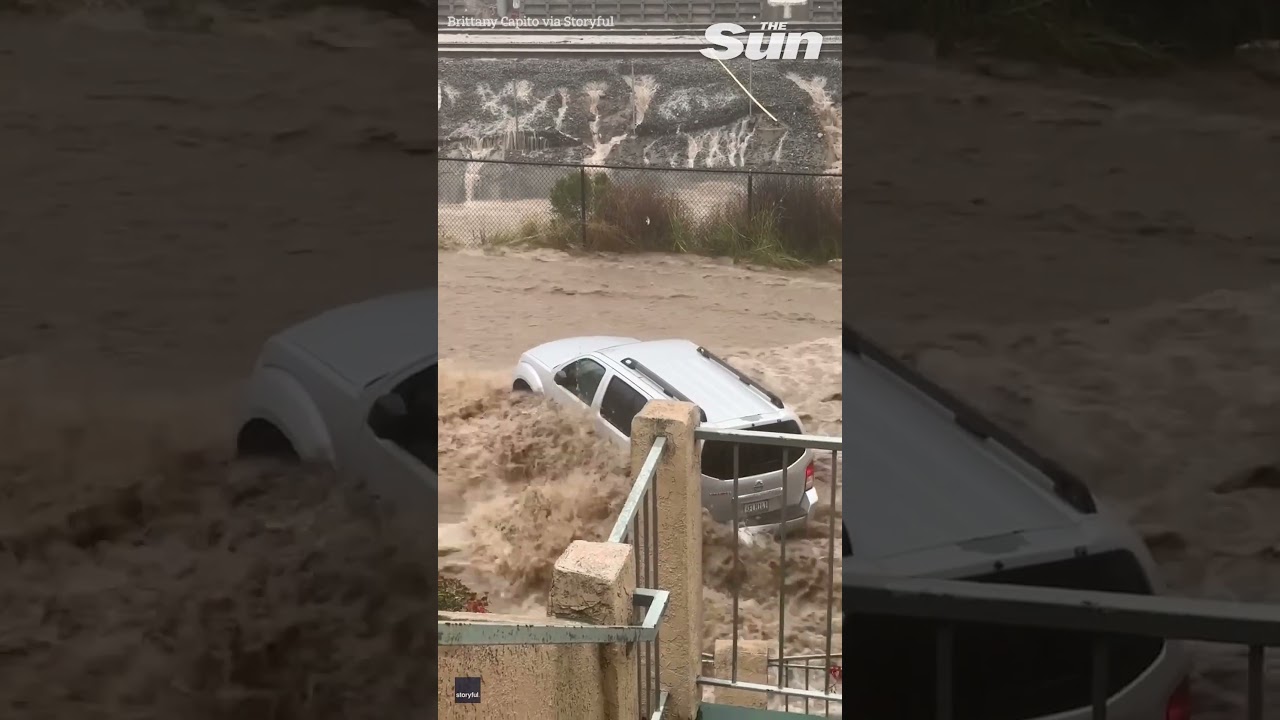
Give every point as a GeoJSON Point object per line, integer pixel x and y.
{"type": "Point", "coordinates": [593, 42]}
{"type": "Point", "coordinates": [827, 29]}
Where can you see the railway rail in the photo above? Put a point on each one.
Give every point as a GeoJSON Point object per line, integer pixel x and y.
{"type": "Point", "coordinates": [672, 29]}
{"type": "Point", "coordinates": [595, 42]}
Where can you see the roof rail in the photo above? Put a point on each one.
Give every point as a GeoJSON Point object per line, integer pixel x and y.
{"type": "Point", "coordinates": [666, 387]}
{"type": "Point", "coordinates": [747, 379]}
{"type": "Point", "coordinates": [1066, 485]}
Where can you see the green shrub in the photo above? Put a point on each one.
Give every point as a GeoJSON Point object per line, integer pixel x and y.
{"type": "Point", "coordinates": [636, 217]}
{"type": "Point", "coordinates": [567, 194]}
{"type": "Point", "coordinates": [805, 212]}
{"type": "Point", "coordinates": [792, 221]}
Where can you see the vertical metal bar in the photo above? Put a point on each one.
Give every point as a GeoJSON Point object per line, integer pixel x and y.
{"type": "Point", "coordinates": [583, 188]}
{"type": "Point", "coordinates": [831, 561]}
{"type": "Point", "coordinates": [637, 553]}
{"type": "Point", "coordinates": [648, 679]}
{"type": "Point", "coordinates": [808, 671]}
{"type": "Point", "coordinates": [944, 683]}
{"type": "Point", "coordinates": [1257, 657]}
{"type": "Point", "coordinates": [653, 539]}
{"type": "Point", "coordinates": [751, 199]}
{"type": "Point", "coordinates": [642, 542]}
{"type": "Point", "coordinates": [733, 654]}
{"type": "Point", "coordinates": [782, 566]}
{"type": "Point", "coordinates": [657, 643]}
{"type": "Point", "coordinates": [639, 541]}
{"type": "Point", "coordinates": [1101, 677]}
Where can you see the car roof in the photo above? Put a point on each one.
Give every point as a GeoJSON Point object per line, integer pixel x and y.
{"type": "Point", "coordinates": [717, 391]}
{"type": "Point", "coordinates": [366, 340]}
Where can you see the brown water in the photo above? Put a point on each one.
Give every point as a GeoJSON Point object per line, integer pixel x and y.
{"type": "Point", "coordinates": [158, 188]}
{"type": "Point", "coordinates": [144, 575]}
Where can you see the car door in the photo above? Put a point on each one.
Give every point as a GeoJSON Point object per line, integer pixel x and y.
{"type": "Point", "coordinates": [404, 471]}
{"type": "Point", "coordinates": [619, 403]}
{"type": "Point", "coordinates": [578, 382]}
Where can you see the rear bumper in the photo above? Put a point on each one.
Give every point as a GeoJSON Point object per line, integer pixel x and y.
{"type": "Point", "coordinates": [791, 518]}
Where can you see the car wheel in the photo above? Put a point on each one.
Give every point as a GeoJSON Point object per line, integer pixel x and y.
{"type": "Point", "coordinates": [260, 439]}
{"type": "Point", "coordinates": [521, 386]}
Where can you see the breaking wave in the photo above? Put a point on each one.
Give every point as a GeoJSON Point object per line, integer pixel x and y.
{"type": "Point", "coordinates": [145, 574]}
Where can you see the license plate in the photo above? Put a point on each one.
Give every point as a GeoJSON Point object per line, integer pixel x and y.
{"type": "Point", "coordinates": [755, 508]}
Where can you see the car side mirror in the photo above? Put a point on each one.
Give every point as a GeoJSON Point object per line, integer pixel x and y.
{"type": "Point", "coordinates": [562, 377]}
{"type": "Point", "coordinates": [389, 416]}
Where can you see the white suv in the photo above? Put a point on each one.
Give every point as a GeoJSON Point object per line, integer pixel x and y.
{"type": "Point", "coordinates": [355, 388]}
{"type": "Point", "coordinates": [937, 491]}
{"type": "Point", "coordinates": [615, 377]}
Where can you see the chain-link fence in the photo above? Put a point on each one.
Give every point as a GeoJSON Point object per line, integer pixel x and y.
{"type": "Point", "coordinates": [595, 208]}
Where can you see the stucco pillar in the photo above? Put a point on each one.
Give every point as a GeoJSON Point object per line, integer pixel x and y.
{"type": "Point", "coordinates": [679, 488]}
{"type": "Point", "coordinates": [594, 583]}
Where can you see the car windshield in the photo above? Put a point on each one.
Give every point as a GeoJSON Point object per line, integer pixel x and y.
{"type": "Point", "coordinates": [717, 455]}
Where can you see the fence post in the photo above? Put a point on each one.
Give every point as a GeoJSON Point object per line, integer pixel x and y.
{"type": "Point", "coordinates": [678, 483]}
{"type": "Point", "coordinates": [750, 198]}
{"type": "Point", "coordinates": [583, 185]}
{"type": "Point", "coordinates": [594, 582]}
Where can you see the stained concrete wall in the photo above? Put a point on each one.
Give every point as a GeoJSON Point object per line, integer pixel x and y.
{"type": "Point", "coordinates": [592, 584]}
{"type": "Point", "coordinates": [753, 667]}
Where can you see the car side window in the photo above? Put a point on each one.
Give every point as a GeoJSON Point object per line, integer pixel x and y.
{"type": "Point", "coordinates": [582, 378]}
{"type": "Point", "coordinates": [621, 404]}
{"type": "Point", "coordinates": [417, 435]}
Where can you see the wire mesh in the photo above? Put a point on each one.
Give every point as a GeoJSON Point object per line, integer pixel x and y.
{"type": "Point", "coordinates": [486, 203]}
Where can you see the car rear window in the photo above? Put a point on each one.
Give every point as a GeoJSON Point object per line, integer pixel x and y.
{"type": "Point", "coordinates": [1001, 672]}
{"type": "Point", "coordinates": [717, 455]}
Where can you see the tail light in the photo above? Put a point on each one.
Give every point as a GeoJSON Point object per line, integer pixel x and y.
{"type": "Point", "coordinates": [1179, 707]}
{"type": "Point", "coordinates": [808, 476]}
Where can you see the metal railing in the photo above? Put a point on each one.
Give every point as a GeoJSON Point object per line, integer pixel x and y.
{"type": "Point", "coordinates": [652, 605]}
{"type": "Point", "coordinates": [787, 444]}
{"type": "Point", "coordinates": [801, 670]}
{"type": "Point", "coordinates": [1102, 615]}
{"type": "Point", "coordinates": [808, 669]}
{"type": "Point", "coordinates": [637, 524]}
{"type": "Point", "coordinates": [485, 202]}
